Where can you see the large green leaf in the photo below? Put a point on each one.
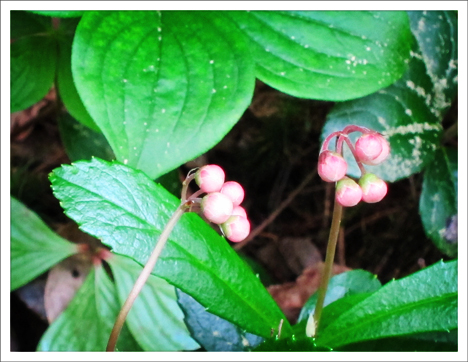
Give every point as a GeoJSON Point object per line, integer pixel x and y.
{"type": "Point", "coordinates": [408, 112]}
{"type": "Point", "coordinates": [34, 247]}
{"type": "Point", "coordinates": [425, 301]}
{"type": "Point", "coordinates": [87, 322]}
{"type": "Point", "coordinates": [155, 319]}
{"type": "Point", "coordinates": [342, 285]}
{"type": "Point", "coordinates": [163, 87]}
{"type": "Point", "coordinates": [128, 211]}
{"type": "Point", "coordinates": [32, 70]}
{"type": "Point", "coordinates": [438, 202]}
{"type": "Point", "coordinates": [328, 55]}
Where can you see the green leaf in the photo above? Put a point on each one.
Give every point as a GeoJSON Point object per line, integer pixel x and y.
{"type": "Point", "coordinates": [155, 319]}
{"type": "Point", "coordinates": [60, 13]}
{"type": "Point", "coordinates": [291, 344]}
{"type": "Point", "coordinates": [327, 55]}
{"type": "Point", "coordinates": [408, 112]}
{"type": "Point", "coordinates": [87, 322]}
{"type": "Point", "coordinates": [423, 342]}
{"type": "Point", "coordinates": [437, 36]}
{"type": "Point", "coordinates": [422, 302]}
{"type": "Point", "coordinates": [342, 285]}
{"type": "Point", "coordinates": [23, 23]}
{"type": "Point", "coordinates": [128, 214]}
{"type": "Point", "coordinates": [34, 247]}
{"type": "Point", "coordinates": [32, 70]}
{"type": "Point", "coordinates": [65, 84]}
{"type": "Point", "coordinates": [438, 202]}
{"type": "Point", "coordinates": [213, 332]}
{"type": "Point", "coordinates": [81, 142]}
{"type": "Point", "coordinates": [163, 87]}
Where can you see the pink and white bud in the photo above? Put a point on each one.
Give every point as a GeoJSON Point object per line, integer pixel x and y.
{"type": "Point", "coordinates": [210, 178]}
{"type": "Point", "coordinates": [372, 148]}
{"type": "Point", "coordinates": [234, 191]}
{"type": "Point", "coordinates": [236, 228]}
{"type": "Point", "coordinates": [373, 188]}
{"type": "Point", "coordinates": [240, 211]}
{"type": "Point", "coordinates": [331, 166]}
{"type": "Point", "coordinates": [348, 193]}
{"type": "Point", "coordinates": [217, 207]}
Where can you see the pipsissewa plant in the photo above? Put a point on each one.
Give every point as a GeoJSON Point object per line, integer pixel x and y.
{"type": "Point", "coordinates": [141, 115]}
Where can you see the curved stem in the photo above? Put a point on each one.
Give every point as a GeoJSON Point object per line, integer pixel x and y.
{"type": "Point", "coordinates": [353, 151]}
{"type": "Point", "coordinates": [326, 274]}
{"type": "Point", "coordinates": [142, 278]}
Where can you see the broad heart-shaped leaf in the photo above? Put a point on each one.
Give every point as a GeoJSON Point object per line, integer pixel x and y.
{"type": "Point", "coordinates": [34, 247]}
{"type": "Point", "coordinates": [425, 301]}
{"type": "Point", "coordinates": [213, 332]}
{"type": "Point", "coordinates": [32, 70]}
{"type": "Point", "coordinates": [128, 211]}
{"type": "Point", "coordinates": [163, 87]}
{"type": "Point", "coordinates": [327, 55]}
{"type": "Point", "coordinates": [438, 202]}
{"type": "Point", "coordinates": [341, 285]}
{"type": "Point", "coordinates": [408, 112]}
{"type": "Point", "coordinates": [87, 322]}
{"type": "Point", "coordinates": [155, 319]}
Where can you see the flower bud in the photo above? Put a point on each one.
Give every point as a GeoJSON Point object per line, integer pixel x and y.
{"type": "Point", "coordinates": [372, 148]}
{"type": "Point", "coordinates": [239, 210]}
{"type": "Point", "coordinates": [348, 192]}
{"type": "Point", "coordinates": [331, 166]}
{"type": "Point", "coordinates": [210, 178]}
{"type": "Point", "coordinates": [234, 191]}
{"type": "Point", "coordinates": [236, 228]}
{"type": "Point", "coordinates": [373, 188]}
{"type": "Point", "coordinates": [216, 207]}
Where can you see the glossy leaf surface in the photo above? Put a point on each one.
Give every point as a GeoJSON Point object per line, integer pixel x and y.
{"type": "Point", "coordinates": [425, 301]}
{"type": "Point", "coordinates": [129, 213]}
{"type": "Point", "coordinates": [163, 87]}
{"type": "Point", "coordinates": [34, 247]}
{"type": "Point", "coordinates": [327, 55]}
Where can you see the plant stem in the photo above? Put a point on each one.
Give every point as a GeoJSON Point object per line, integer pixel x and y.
{"type": "Point", "coordinates": [143, 277]}
{"type": "Point", "coordinates": [331, 247]}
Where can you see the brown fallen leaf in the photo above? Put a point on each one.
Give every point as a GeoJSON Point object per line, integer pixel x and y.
{"type": "Point", "coordinates": [63, 281]}
{"type": "Point", "coordinates": [292, 296]}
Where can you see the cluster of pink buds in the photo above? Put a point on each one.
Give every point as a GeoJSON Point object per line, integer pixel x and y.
{"type": "Point", "coordinates": [371, 149]}
{"type": "Point", "coordinates": [221, 204]}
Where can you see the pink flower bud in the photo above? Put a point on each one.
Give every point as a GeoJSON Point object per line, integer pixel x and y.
{"type": "Point", "coordinates": [210, 178]}
{"type": "Point", "coordinates": [331, 166]}
{"type": "Point", "coordinates": [239, 210]}
{"type": "Point", "coordinates": [216, 207]}
{"type": "Point", "coordinates": [234, 191]}
{"type": "Point", "coordinates": [373, 188]}
{"type": "Point", "coordinates": [372, 148]}
{"type": "Point", "coordinates": [236, 228]}
{"type": "Point", "coordinates": [348, 192]}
